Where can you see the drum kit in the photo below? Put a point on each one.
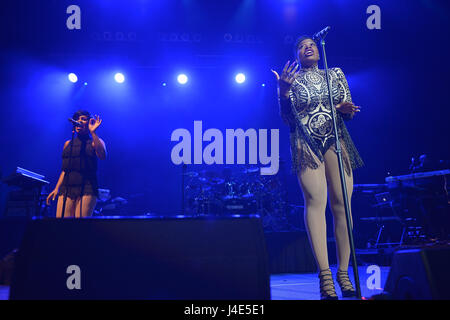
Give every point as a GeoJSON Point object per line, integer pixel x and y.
{"type": "Point", "coordinates": [236, 191]}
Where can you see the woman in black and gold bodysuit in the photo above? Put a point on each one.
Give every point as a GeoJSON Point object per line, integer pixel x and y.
{"type": "Point", "coordinates": [305, 107]}
{"type": "Point", "coordinates": [78, 179]}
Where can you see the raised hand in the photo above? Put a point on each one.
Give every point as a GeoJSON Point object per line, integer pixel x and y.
{"type": "Point", "coordinates": [94, 123]}
{"type": "Point", "coordinates": [287, 77]}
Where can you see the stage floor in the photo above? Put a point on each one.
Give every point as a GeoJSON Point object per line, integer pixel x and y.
{"type": "Point", "coordinates": [298, 286]}
{"type": "Point", "coordinates": [305, 286]}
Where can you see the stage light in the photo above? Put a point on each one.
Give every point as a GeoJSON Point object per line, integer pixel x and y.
{"type": "Point", "coordinates": [182, 79]}
{"type": "Point", "coordinates": [73, 77]}
{"type": "Point", "coordinates": [119, 77]}
{"type": "Point", "coordinates": [85, 83]}
{"type": "Point", "coordinates": [240, 78]}
{"type": "Point", "coordinates": [263, 85]}
{"type": "Point", "coordinates": [164, 84]}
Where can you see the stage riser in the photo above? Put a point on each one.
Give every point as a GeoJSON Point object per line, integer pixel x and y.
{"type": "Point", "coordinates": [143, 259]}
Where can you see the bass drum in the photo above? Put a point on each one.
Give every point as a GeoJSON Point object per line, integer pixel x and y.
{"type": "Point", "coordinates": [239, 205]}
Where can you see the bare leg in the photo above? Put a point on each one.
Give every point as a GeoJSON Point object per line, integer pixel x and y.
{"type": "Point", "coordinates": [88, 203]}
{"type": "Point", "coordinates": [69, 212]}
{"type": "Point", "coordinates": [338, 207]}
{"type": "Point", "coordinates": [314, 189]}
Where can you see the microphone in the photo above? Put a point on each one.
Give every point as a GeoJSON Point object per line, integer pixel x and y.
{"type": "Point", "coordinates": [321, 34]}
{"type": "Point", "coordinates": [75, 123]}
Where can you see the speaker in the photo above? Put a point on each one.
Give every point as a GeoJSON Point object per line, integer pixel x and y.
{"type": "Point", "coordinates": [142, 258]}
{"type": "Point", "coordinates": [419, 274]}
{"type": "Point", "coordinates": [289, 252]}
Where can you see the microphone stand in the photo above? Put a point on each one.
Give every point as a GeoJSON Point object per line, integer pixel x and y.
{"type": "Point", "coordinates": [66, 182]}
{"type": "Point", "coordinates": [83, 170]}
{"type": "Point", "coordinates": [342, 176]}
{"type": "Point", "coordinates": [183, 173]}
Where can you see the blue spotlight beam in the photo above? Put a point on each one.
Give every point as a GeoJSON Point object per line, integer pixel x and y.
{"type": "Point", "coordinates": [182, 79]}
{"type": "Point", "coordinates": [119, 77]}
{"type": "Point", "coordinates": [240, 78]}
{"type": "Point", "coordinates": [72, 77]}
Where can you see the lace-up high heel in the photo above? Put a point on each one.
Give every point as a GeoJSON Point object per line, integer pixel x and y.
{"type": "Point", "coordinates": [327, 291]}
{"type": "Point", "coordinates": [345, 284]}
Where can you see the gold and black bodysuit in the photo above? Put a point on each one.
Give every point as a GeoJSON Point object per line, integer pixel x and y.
{"type": "Point", "coordinates": [308, 114]}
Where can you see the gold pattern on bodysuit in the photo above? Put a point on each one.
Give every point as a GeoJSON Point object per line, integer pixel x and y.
{"type": "Point", "coordinates": [310, 118]}
{"type": "Point", "coordinates": [315, 112]}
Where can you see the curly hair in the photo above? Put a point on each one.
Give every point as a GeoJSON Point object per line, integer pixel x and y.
{"type": "Point", "coordinates": [80, 113]}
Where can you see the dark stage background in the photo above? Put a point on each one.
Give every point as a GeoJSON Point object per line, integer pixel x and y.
{"type": "Point", "coordinates": [398, 75]}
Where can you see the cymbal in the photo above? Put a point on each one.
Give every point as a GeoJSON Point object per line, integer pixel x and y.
{"type": "Point", "coordinates": [120, 200]}
{"type": "Point", "coordinates": [217, 181]}
{"type": "Point", "coordinates": [251, 170]}
{"type": "Point", "coordinates": [191, 174]}
{"type": "Point", "coordinates": [209, 173]}
{"type": "Point", "coordinates": [211, 180]}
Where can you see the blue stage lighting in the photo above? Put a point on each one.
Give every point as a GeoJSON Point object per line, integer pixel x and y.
{"type": "Point", "coordinates": [240, 78]}
{"type": "Point", "coordinates": [119, 77]}
{"type": "Point", "coordinates": [73, 77]}
{"type": "Point", "coordinates": [182, 79]}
